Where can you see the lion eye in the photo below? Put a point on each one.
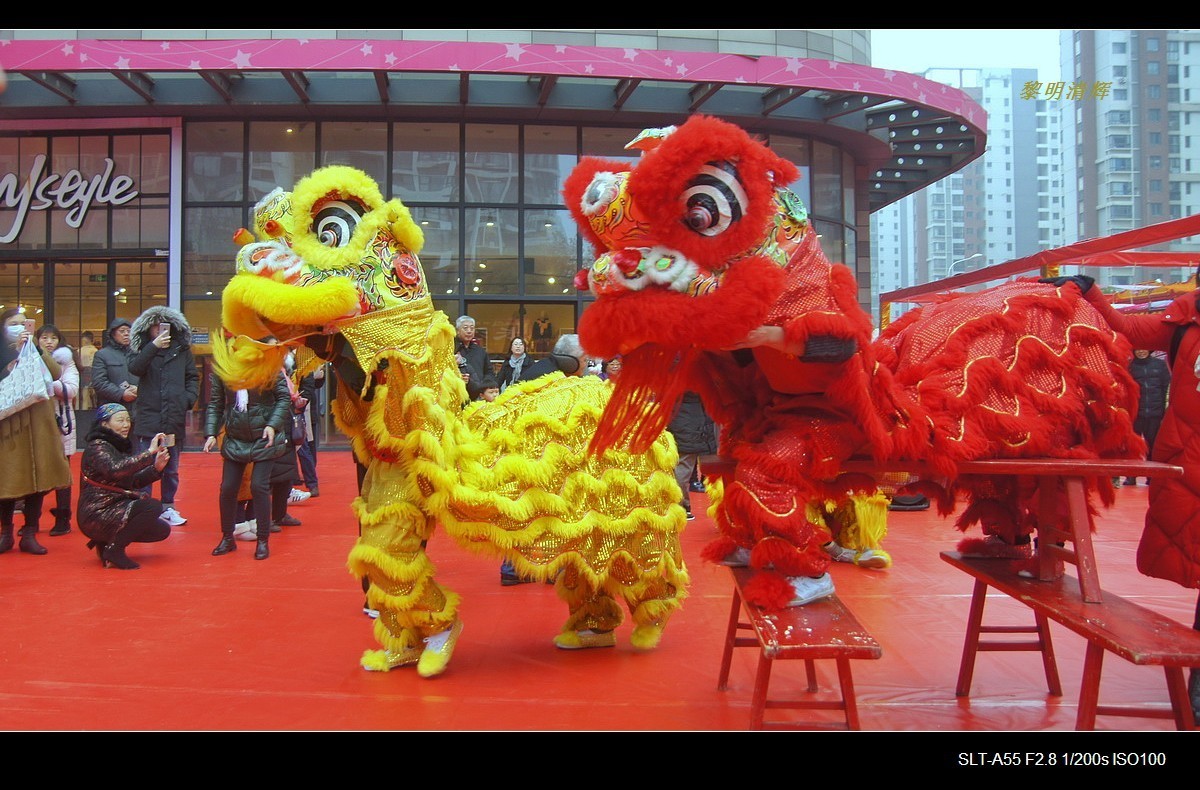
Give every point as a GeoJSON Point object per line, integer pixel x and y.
{"type": "Point", "coordinates": [714, 199]}
{"type": "Point", "coordinates": [335, 222]}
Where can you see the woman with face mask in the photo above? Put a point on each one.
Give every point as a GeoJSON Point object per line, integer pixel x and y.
{"type": "Point", "coordinates": [34, 459]}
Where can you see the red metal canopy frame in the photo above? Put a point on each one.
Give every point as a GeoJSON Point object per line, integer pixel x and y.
{"type": "Point", "coordinates": [1116, 250]}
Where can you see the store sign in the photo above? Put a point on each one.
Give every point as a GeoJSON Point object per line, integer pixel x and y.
{"type": "Point", "coordinates": [70, 191]}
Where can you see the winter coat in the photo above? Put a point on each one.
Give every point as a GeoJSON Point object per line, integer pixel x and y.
{"type": "Point", "coordinates": [66, 388]}
{"type": "Point", "coordinates": [168, 382]}
{"type": "Point", "coordinates": [244, 441]}
{"type": "Point", "coordinates": [694, 431]}
{"type": "Point", "coordinates": [30, 442]}
{"type": "Point", "coordinates": [109, 463]}
{"type": "Point", "coordinates": [1154, 380]}
{"type": "Point", "coordinates": [510, 374]}
{"type": "Point", "coordinates": [1170, 544]}
{"type": "Point", "coordinates": [110, 368]}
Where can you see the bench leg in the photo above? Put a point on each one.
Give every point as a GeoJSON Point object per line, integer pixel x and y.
{"type": "Point", "coordinates": [1089, 691]}
{"type": "Point", "coordinates": [1048, 662]}
{"type": "Point", "coordinates": [848, 699]}
{"type": "Point", "coordinates": [1181, 703]}
{"type": "Point", "coordinates": [810, 673]}
{"type": "Point", "coordinates": [758, 703]}
{"type": "Point", "coordinates": [966, 669]}
{"type": "Point", "coordinates": [730, 639]}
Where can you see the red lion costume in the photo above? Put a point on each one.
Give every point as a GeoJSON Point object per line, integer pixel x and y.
{"type": "Point", "coordinates": [710, 278]}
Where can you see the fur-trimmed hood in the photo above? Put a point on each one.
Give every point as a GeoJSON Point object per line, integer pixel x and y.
{"type": "Point", "coordinates": [139, 333]}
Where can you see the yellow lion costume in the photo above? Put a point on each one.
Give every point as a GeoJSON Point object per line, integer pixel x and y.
{"type": "Point", "coordinates": [334, 273]}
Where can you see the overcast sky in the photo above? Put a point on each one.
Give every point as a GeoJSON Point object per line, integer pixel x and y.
{"type": "Point", "coordinates": [915, 51]}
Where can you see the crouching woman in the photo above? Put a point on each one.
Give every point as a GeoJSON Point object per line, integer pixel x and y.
{"type": "Point", "coordinates": [112, 512]}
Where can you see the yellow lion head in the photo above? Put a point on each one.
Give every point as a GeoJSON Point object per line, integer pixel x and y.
{"type": "Point", "coordinates": [330, 251]}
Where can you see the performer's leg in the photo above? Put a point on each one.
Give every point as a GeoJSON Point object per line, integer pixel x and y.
{"type": "Point", "coordinates": [390, 554]}
{"type": "Point", "coordinates": [593, 612]}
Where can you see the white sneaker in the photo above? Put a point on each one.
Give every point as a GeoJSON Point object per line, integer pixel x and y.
{"type": "Point", "coordinates": [838, 552]}
{"type": "Point", "coordinates": [874, 559]}
{"type": "Point", "coordinates": [738, 558]}
{"type": "Point", "coordinates": [807, 589]}
{"type": "Point", "coordinates": [172, 517]}
{"type": "Point", "coordinates": [297, 496]}
{"type": "Point", "coordinates": [246, 530]}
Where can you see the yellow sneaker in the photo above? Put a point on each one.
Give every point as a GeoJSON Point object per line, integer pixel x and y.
{"type": "Point", "coordinates": [437, 652]}
{"type": "Point", "coordinates": [581, 640]}
{"type": "Point", "coordinates": [383, 660]}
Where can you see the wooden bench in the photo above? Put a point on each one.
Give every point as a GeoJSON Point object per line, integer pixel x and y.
{"type": "Point", "coordinates": [823, 629]}
{"type": "Point", "coordinates": [1135, 633]}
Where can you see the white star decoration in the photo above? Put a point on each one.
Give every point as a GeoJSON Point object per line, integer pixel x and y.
{"type": "Point", "coordinates": [559, 49]}
{"type": "Point", "coordinates": [793, 66]}
{"type": "Point", "coordinates": [123, 64]}
{"type": "Point", "coordinates": [66, 50]}
{"type": "Point", "coordinates": [889, 75]}
{"type": "Point", "coordinates": [195, 64]}
{"type": "Point", "coordinates": [366, 49]}
{"type": "Point", "coordinates": [241, 60]}
{"type": "Point", "coordinates": [589, 68]}
{"type": "Point", "coordinates": [390, 59]}
{"type": "Point", "coordinates": [681, 69]}
{"type": "Point", "coordinates": [166, 45]}
{"type": "Point", "coordinates": [83, 57]}
{"type": "Point", "coordinates": [514, 51]}
{"type": "Point", "coordinates": [630, 54]}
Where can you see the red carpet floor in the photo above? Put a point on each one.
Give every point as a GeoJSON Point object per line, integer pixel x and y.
{"type": "Point", "coordinates": [192, 642]}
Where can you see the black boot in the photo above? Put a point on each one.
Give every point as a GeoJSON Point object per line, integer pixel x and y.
{"type": "Point", "coordinates": [62, 521]}
{"type": "Point", "coordinates": [226, 545]}
{"type": "Point", "coordinates": [29, 543]}
{"type": "Point", "coordinates": [114, 556]}
{"type": "Point", "coordinates": [261, 552]}
{"type": "Point", "coordinates": [99, 547]}
{"type": "Point", "coordinates": [6, 537]}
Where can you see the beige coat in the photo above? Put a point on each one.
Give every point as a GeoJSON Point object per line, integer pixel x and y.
{"type": "Point", "coordinates": [32, 449]}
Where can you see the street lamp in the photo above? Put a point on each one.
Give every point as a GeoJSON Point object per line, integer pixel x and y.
{"type": "Point", "coordinates": [950, 268]}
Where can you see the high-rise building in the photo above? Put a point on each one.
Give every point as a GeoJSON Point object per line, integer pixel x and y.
{"type": "Point", "coordinates": [1131, 157]}
{"type": "Point", "coordinates": [1004, 205]}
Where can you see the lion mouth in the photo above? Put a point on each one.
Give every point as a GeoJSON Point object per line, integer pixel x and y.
{"type": "Point", "coordinates": [258, 307]}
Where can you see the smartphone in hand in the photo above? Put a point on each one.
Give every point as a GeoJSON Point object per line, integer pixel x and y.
{"type": "Point", "coordinates": [30, 325]}
{"type": "Point", "coordinates": [164, 327]}
{"type": "Point", "coordinates": [168, 440]}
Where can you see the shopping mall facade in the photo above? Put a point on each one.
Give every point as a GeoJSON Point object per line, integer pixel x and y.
{"type": "Point", "coordinates": [128, 160]}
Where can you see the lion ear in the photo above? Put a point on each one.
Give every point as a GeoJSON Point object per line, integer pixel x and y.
{"type": "Point", "coordinates": [403, 228]}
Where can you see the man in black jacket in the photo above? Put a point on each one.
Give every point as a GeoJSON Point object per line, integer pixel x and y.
{"type": "Point", "coordinates": [160, 355]}
{"type": "Point", "coordinates": [472, 358]}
